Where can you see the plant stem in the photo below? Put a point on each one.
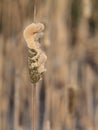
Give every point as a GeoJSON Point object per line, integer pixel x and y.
{"type": "Point", "coordinates": [35, 10]}
{"type": "Point", "coordinates": [34, 107]}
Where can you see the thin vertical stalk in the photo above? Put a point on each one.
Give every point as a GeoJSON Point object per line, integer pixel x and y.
{"type": "Point", "coordinates": [34, 108]}
{"type": "Point", "coordinates": [16, 100]}
{"type": "Point", "coordinates": [35, 10]}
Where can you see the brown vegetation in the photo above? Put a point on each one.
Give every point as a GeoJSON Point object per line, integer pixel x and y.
{"type": "Point", "coordinates": [67, 97]}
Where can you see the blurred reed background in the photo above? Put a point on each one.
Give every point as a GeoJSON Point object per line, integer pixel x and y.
{"type": "Point", "coordinates": [67, 97]}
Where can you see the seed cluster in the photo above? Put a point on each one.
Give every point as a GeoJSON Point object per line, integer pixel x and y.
{"type": "Point", "coordinates": [36, 57]}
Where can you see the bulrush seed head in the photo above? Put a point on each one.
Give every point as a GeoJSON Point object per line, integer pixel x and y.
{"type": "Point", "coordinates": [36, 57]}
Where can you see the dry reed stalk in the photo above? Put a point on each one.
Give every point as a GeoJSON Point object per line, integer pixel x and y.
{"type": "Point", "coordinates": [1, 72]}
{"type": "Point", "coordinates": [16, 99]}
{"type": "Point", "coordinates": [47, 125]}
{"type": "Point", "coordinates": [89, 97]}
{"type": "Point", "coordinates": [36, 59]}
{"type": "Point", "coordinates": [60, 38]}
{"type": "Point", "coordinates": [72, 92]}
{"type": "Point", "coordinates": [72, 95]}
{"type": "Point", "coordinates": [34, 107]}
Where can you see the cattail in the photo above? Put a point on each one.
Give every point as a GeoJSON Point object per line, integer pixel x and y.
{"type": "Point", "coordinates": [72, 92]}
{"type": "Point", "coordinates": [36, 57]}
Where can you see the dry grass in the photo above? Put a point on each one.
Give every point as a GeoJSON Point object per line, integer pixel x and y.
{"type": "Point", "coordinates": [70, 41]}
